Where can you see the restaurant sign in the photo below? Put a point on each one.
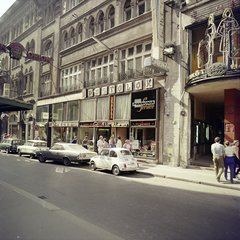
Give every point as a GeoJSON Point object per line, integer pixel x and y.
{"type": "Point", "coordinates": [16, 51]}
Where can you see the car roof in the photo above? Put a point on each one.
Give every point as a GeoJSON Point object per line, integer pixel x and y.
{"type": "Point", "coordinates": [116, 149]}
{"type": "Point", "coordinates": [35, 141]}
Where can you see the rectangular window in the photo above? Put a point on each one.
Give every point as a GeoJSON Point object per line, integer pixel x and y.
{"type": "Point", "coordinates": [87, 110]}
{"type": "Point", "coordinates": [73, 111]}
{"type": "Point", "coordinates": [103, 108]}
{"type": "Point", "coordinates": [57, 111]}
{"type": "Point", "coordinates": [42, 113]}
{"type": "Point", "coordinates": [130, 51]}
{"type": "Point", "coordinates": [122, 107]}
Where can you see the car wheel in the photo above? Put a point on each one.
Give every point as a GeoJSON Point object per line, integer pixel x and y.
{"type": "Point", "coordinates": [66, 161]}
{"type": "Point", "coordinates": [41, 159]}
{"type": "Point", "coordinates": [93, 166]}
{"type": "Point", "coordinates": [31, 156]}
{"type": "Point", "coordinates": [19, 153]}
{"type": "Point", "coordinates": [115, 170]}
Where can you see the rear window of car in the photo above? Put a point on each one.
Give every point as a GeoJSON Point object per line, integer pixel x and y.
{"type": "Point", "coordinates": [17, 142]}
{"type": "Point", "coordinates": [104, 152]}
{"type": "Point", "coordinates": [125, 152]}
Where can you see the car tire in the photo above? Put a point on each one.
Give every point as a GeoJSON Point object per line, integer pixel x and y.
{"type": "Point", "coordinates": [19, 153]}
{"type": "Point", "coordinates": [93, 166]}
{"type": "Point", "coordinates": [31, 156]}
{"type": "Point", "coordinates": [115, 170]}
{"type": "Point", "coordinates": [41, 159]}
{"type": "Point", "coordinates": [66, 161]}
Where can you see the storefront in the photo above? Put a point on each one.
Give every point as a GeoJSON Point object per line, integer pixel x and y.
{"type": "Point", "coordinates": [144, 124]}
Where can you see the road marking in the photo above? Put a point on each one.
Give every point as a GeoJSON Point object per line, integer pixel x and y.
{"type": "Point", "coordinates": [87, 226]}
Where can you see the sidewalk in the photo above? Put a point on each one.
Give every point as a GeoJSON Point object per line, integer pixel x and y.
{"type": "Point", "coordinates": [193, 174]}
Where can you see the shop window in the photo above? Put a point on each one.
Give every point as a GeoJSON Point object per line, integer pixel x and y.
{"type": "Point", "coordinates": [57, 111]}
{"type": "Point", "coordinates": [42, 114]}
{"type": "Point", "coordinates": [103, 108]}
{"type": "Point", "coordinates": [122, 107]}
{"type": "Point", "coordinates": [73, 111]}
{"type": "Point", "coordinates": [64, 116]}
{"type": "Point", "coordinates": [87, 110]}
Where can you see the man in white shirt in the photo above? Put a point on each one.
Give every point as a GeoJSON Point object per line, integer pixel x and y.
{"type": "Point", "coordinates": [100, 144]}
{"type": "Point", "coordinates": [218, 151]}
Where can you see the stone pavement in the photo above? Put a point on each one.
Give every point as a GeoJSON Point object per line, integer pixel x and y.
{"type": "Point", "coordinates": [193, 174]}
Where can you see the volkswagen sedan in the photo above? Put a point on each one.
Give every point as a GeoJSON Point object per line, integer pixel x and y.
{"type": "Point", "coordinates": [66, 153]}
{"type": "Point", "coordinates": [114, 159]}
{"type": "Point", "coordinates": [31, 147]}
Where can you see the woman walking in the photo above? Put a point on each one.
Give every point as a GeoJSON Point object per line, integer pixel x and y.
{"type": "Point", "coordinates": [229, 161]}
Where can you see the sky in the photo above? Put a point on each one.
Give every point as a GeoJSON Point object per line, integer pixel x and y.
{"type": "Point", "coordinates": [5, 5]}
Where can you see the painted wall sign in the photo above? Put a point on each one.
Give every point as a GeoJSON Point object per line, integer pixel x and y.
{"type": "Point", "coordinates": [143, 105]}
{"type": "Point", "coordinates": [217, 69]}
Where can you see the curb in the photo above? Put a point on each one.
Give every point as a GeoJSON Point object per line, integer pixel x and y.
{"type": "Point", "coordinates": [190, 181]}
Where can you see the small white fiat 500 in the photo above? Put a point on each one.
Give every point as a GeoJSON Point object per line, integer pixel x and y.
{"type": "Point", "coordinates": [114, 159]}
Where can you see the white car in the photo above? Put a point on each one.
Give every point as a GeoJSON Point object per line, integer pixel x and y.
{"type": "Point", "coordinates": [115, 159]}
{"type": "Point", "coordinates": [31, 146]}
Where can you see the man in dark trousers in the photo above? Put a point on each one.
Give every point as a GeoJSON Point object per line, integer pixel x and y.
{"type": "Point", "coordinates": [218, 151]}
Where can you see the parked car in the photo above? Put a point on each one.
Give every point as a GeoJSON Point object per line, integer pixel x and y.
{"type": "Point", "coordinates": [10, 144]}
{"type": "Point", "coordinates": [31, 146]}
{"type": "Point", "coordinates": [114, 159]}
{"type": "Point", "coordinates": [66, 153]}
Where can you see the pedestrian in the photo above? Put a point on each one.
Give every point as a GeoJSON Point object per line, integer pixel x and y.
{"type": "Point", "coordinates": [74, 140]}
{"type": "Point", "coordinates": [236, 158]}
{"type": "Point", "coordinates": [84, 142]}
{"type": "Point", "coordinates": [128, 145]}
{"type": "Point", "coordinates": [229, 160]}
{"type": "Point", "coordinates": [111, 143]}
{"type": "Point", "coordinates": [217, 150]}
{"type": "Point", "coordinates": [105, 143]}
{"type": "Point", "coordinates": [119, 142]}
{"type": "Point", "coordinates": [100, 144]}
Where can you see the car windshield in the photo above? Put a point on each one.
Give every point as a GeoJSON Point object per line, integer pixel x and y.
{"type": "Point", "coordinates": [75, 147]}
{"type": "Point", "coordinates": [17, 142]}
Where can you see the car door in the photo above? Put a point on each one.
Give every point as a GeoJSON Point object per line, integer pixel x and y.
{"type": "Point", "coordinates": [103, 158]}
{"type": "Point", "coordinates": [112, 159]}
{"type": "Point", "coordinates": [24, 148]}
{"type": "Point", "coordinates": [52, 153]}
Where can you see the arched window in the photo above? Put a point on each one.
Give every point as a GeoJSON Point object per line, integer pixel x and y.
{"type": "Point", "coordinates": [48, 49]}
{"type": "Point", "coordinates": [32, 46]}
{"type": "Point", "coordinates": [111, 17]}
{"type": "Point", "coordinates": [65, 43]}
{"type": "Point", "coordinates": [127, 10]}
{"type": "Point", "coordinates": [101, 23]}
{"type": "Point", "coordinates": [141, 7]}
{"type": "Point", "coordinates": [91, 28]}
{"type": "Point", "coordinates": [27, 47]}
{"type": "Point", "coordinates": [72, 37]}
{"type": "Point", "coordinates": [79, 32]}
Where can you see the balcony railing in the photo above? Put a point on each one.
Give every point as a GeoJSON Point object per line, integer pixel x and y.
{"type": "Point", "coordinates": [137, 73]}
{"type": "Point", "coordinates": [99, 81]}
{"type": "Point", "coordinates": [69, 88]}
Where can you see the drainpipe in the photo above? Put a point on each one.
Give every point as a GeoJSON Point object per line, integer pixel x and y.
{"type": "Point", "coordinates": [180, 78]}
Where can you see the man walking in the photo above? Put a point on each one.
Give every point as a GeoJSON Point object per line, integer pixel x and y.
{"type": "Point", "coordinates": [218, 151]}
{"type": "Point", "coordinates": [100, 144]}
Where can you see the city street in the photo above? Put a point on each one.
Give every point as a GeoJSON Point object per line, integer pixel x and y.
{"type": "Point", "coordinates": [52, 201]}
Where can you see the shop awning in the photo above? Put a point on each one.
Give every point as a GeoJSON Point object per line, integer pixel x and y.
{"type": "Point", "coordinates": [8, 104]}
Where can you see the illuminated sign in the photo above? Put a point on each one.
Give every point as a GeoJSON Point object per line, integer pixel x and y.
{"type": "Point", "coordinates": [16, 51]}
{"type": "Point", "coordinates": [143, 105]}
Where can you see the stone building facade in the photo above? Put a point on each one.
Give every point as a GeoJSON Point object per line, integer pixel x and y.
{"type": "Point", "coordinates": [98, 82]}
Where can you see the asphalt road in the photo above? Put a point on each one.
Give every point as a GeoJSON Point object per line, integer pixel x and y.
{"type": "Point", "coordinates": [51, 201]}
